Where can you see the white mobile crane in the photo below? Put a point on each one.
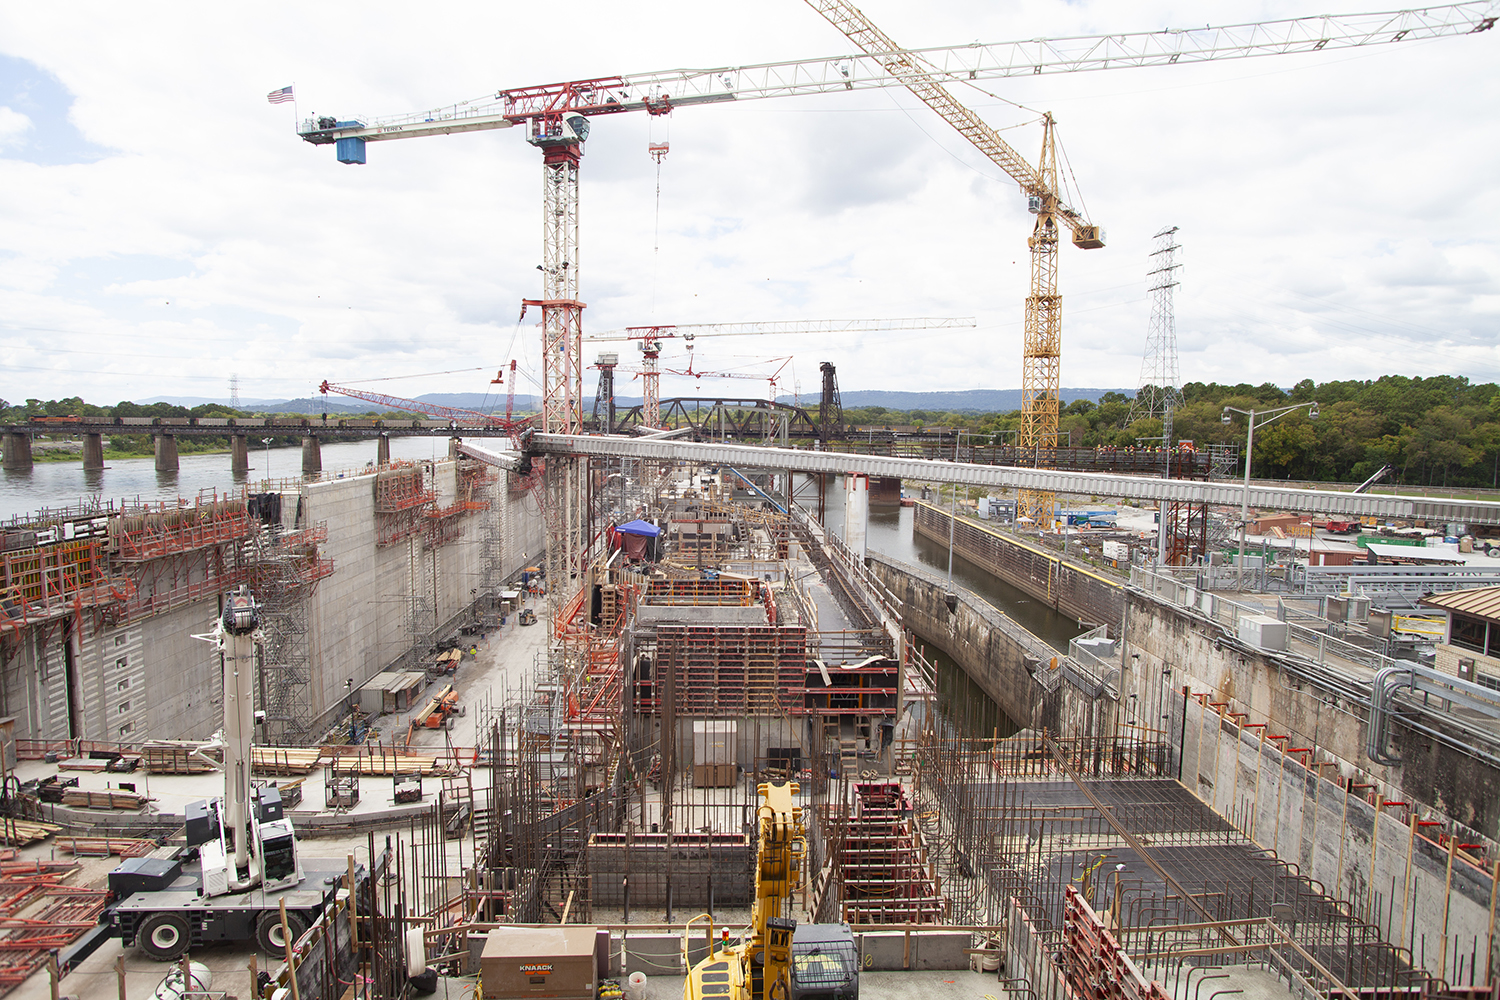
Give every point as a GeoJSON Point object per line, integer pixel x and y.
{"type": "Point", "coordinates": [241, 862]}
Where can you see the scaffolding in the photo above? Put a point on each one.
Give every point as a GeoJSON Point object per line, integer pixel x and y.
{"type": "Point", "coordinates": [878, 859]}
{"type": "Point", "coordinates": [284, 573]}
{"type": "Point", "coordinates": [402, 494]}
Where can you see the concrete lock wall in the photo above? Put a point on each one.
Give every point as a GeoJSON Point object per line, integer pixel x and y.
{"type": "Point", "coordinates": [150, 678]}
{"type": "Point", "coordinates": [1392, 875]}
{"type": "Point", "coordinates": [145, 677]}
{"type": "Point", "coordinates": [1433, 773]}
{"type": "Point", "coordinates": [358, 616]}
{"type": "Point", "coordinates": [1044, 575]}
{"type": "Point", "coordinates": [999, 655]}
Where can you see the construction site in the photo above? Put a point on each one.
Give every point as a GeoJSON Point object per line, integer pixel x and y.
{"type": "Point", "coordinates": [608, 706]}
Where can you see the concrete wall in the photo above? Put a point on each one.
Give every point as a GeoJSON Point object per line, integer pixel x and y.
{"type": "Point", "coordinates": [146, 677]}
{"type": "Point", "coordinates": [1324, 713]}
{"type": "Point", "coordinates": [1017, 670]}
{"type": "Point", "coordinates": [1045, 575]}
{"type": "Point", "coordinates": [149, 678]}
{"type": "Point", "coordinates": [359, 616]}
{"type": "Point", "coordinates": [1393, 875]}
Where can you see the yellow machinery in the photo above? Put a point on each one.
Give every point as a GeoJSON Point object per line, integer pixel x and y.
{"type": "Point", "coordinates": [759, 968]}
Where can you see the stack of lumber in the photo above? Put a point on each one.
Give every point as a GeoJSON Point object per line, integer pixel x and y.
{"type": "Point", "coordinates": [103, 847]}
{"type": "Point", "coordinates": [20, 832]}
{"type": "Point", "coordinates": [109, 798]}
{"type": "Point", "coordinates": [169, 757]}
{"type": "Point", "coordinates": [35, 873]}
{"type": "Point", "coordinates": [82, 764]}
{"type": "Point", "coordinates": [382, 761]}
{"type": "Point", "coordinates": [284, 760]}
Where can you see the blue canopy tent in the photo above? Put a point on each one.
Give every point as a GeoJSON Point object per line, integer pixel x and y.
{"type": "Point", "coordinates": [635, 539]}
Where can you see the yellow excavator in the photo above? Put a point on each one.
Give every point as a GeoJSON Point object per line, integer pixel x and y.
{"type": "Point", "coordinates": [759, 967]}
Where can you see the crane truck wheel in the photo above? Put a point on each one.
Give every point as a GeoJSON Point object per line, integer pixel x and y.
{"type": "Point", "coordinates": [269, 935]}
{"type": "Point", "coordinates": [163, 936]}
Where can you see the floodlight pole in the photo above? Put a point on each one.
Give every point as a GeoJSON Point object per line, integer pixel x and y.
{"type": "Point", "coordinates": [1267, 416]}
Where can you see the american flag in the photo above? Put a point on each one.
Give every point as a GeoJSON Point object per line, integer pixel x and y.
{"type": "Point", "coordinates": [280, 96]}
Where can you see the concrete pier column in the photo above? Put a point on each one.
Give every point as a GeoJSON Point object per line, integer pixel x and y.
{"type": "Point", "coordinates": [453, 447]}
{"type": "Point", "coordinates": [312, 456]}
{"type": "Point", "coordinates": [856, 513]}
{"type": "Point", "coordinates": [166, 453]}
{"type": "Point", "coordinates": [17, 450]}
{"type": "Point", "coordinates": [93, 451]}
{"type": "Point", "coordinates": [239, 453]}
{"type": "Point", "coordinates": [383, 450]}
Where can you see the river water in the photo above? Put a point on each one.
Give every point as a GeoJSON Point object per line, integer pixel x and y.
{"type": "Point", "coordinates": [966, 706]}
{"type": "Point", "coordinates": [51, 485]}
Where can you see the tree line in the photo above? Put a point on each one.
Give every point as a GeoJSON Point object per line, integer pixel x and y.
{"type": "Point", "coordinates": [1437, 431]}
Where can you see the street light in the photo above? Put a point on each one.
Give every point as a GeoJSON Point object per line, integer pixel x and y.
{"type": "Point", "coordinates": [267, 443]}
{"type": "Point", "coordinates": [1266, 416]}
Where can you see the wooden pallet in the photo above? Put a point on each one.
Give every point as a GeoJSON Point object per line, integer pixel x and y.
{"type": "Point", "coordinates": [176, 758]}
{"type": "Point", "coordinates": [386, 764]}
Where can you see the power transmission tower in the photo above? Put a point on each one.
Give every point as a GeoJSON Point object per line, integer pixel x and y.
{"type": "Point", "coordinates": [234, 392]}
{"type": "Point", "coordinates": [1159, 392]}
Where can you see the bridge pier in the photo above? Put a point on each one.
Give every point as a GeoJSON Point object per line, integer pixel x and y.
{"type": "Point", "coordinates": [856, 513]}
{"type": "Point", "coordinates": [18, 451]}
{"type": "Point", "coordinates": [166, 452]}
{"type": "Point", "coordinates": [453, 448]}
{"type": "Point", "coordinates": [239, 454]}
{"type": "Point", "coordinates": [383, 450]}
{"type": "Point", "coordinates": [93, 451]}
{"type": "Point", "coordinates": [312, 456]}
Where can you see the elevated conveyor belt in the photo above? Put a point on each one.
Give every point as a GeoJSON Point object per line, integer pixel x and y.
{"type": "Point", "coordinates": [1325, 502]}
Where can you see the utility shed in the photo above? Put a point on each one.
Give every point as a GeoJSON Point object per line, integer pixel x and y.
{"type": "Point", "coordinates": [553, 963]}
{"type": "Point", "coordinates": [391, 691]}
{"type": "Point", "coordinates": [714, 764]}
{"type": "Point", "coordinates": [1414, 555]}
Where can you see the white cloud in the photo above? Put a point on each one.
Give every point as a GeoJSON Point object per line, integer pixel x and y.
{"type": "Point", "coordinates": [1337, 211]}
{"type": "Point", "coordinates": [13, 125]}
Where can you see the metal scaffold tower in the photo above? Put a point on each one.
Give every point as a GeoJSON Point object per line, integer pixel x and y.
{"type": "Point", "coordinates": [1160, 392]}
{"type": "Point", "coordinates": [286, 568]}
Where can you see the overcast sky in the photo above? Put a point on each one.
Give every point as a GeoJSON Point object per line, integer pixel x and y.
{"type": "Point", "coordinates": [164, 227]}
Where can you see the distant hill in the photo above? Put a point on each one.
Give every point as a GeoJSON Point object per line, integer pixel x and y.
{"type": "Point", "coordinates": [344, 404]}
{"type": "Point", "coordinates": [953, 401]}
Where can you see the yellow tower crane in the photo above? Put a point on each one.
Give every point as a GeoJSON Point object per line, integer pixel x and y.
{"type": "Point", "coordinates": [1041, 363]}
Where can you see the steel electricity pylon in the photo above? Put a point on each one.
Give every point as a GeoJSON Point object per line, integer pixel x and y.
{"type": "Point", "coordinates": [1160, 388]}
